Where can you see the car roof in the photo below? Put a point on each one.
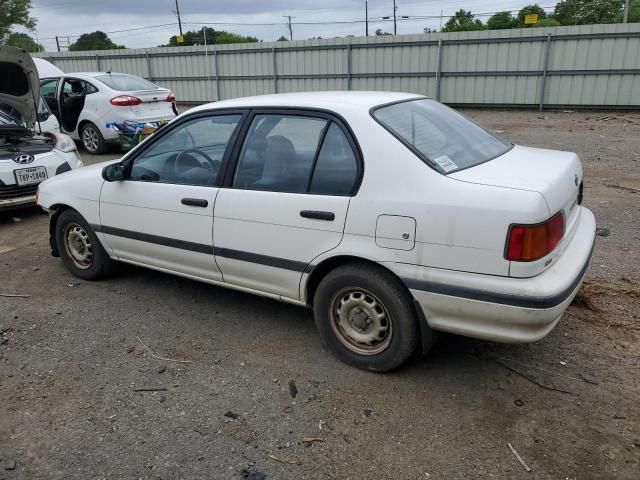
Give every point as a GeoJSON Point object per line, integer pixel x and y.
{"type": "Point", "coordinates": [337, 101]}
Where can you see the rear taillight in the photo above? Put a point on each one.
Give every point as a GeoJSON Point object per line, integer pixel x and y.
{"type": "Point", "coordinates": [125, 101]}
{"type": "Point", "coordinates": [171, 98]}
{"type": "Point", "coordinates": [526, 243]}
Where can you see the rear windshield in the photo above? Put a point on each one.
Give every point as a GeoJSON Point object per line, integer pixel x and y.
{"type": "Point", "coordinates": [125, 83]}
{"type": "Point", "coordinates": [441, 136]}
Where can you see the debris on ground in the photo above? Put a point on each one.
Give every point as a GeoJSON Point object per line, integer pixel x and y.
{"type": "Point", "coordinates": [232, 415]}
{"type": "Point", "coordinates": [162, 369]}
{"type": "Point", "coordinates": [293, 390]}
{"type": "Point", "coordinates": [368, 412]}
{"type": "Point", "coordinates": [16, 219]}
{"type": "Point", "coordinates": [513, 450]}
{"type": "Point", "coordinates": [603, 287]}
{"type": "Point", "coordinates": [603, 231]}
{"type": "Point", "coordinates": [255, 475]}
{"type": "Point", "coordinates": [10, 465]}
{"type": "Point", "coordinates": [311, 440]}
{"type": "Point", "coordinates": [588, 378]}
{"type": "Point", "coordinates": [518, 403]}
{"type": "Point", "coordinates": [622, 187]}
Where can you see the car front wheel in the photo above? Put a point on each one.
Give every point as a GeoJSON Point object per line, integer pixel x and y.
{"type": "Point", "coordinates": [80, 249]}
{"type": "Point", "coordinates": [92, 139]}
{"type": "Point", "coordinates": [366, 316]}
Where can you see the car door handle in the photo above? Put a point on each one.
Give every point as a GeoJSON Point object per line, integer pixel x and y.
{"type": "Point", "coordinates": [329, 216]}
{"type": "Point", "coordinates": [195, 202]}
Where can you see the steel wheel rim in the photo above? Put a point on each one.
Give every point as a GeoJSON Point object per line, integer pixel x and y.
{"type": "Point", "coordinates": [360, 321]}
{"type": "Point", "coordinates": [77, 244]}
{"type": "Point", "coordinates": [90, 139]}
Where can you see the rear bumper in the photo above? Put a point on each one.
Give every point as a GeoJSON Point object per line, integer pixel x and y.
{"type": "Point", "coordinates": [503, 309]}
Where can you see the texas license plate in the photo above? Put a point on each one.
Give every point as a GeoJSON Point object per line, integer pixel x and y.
{"type": "Point", "coordinates": [29, 176]}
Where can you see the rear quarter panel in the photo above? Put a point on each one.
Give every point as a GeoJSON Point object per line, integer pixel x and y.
{"type": "Point", "coordinates": [459, 226]}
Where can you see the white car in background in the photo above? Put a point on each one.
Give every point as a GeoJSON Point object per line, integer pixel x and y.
{"type": "Point", "coordinates": [389, 214]}
{"type": "Point", "coordinates": [31, 148]}
{"type": "Point", "coordinates": [85, 102]}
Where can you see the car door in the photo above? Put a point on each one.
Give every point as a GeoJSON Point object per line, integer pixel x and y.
{"type": "Point", "coordinates": [161, 215]}
{"type": "Point", "coordinates": [284, 203]}
{"type": "Point", "coordinates": [48, 91]}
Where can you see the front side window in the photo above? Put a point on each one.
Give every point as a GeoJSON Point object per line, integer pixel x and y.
{"type": "Point", "coordinates": [189, 154]}
{"type": "Point", "coordinates": [48, 88]}
{"type": "Point", "coordinates": [446, 139]}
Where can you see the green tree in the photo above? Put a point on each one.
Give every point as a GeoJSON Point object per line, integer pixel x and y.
{"type": "Point", "coordinates": [214, 37]}
{"type": "Point", "coordinates": [501, 21]}
{"type": "Point", "coordinates": [94, 41]}
{"type": "Point", "coordinates": [634, 12]}
{"type": "Point", "coordinates": [588, 12]}
{"type": "Point", "coordinates": [547, 22]}
{"type": "Point", "coordinates": [24, 41]}
{"type": "Point", "coordinates": [282, 39]}
{"type": "Point", "coordinates": [380, 33]}
{"type": "Point", "coordinates": [15, 12]}
{"type": "Point", "coordinates": [530, 10]}
{"type": "Point", "coordinates": [463, 21]}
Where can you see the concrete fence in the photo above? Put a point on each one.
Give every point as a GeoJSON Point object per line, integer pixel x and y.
{"type": "Point", "coordinates": [593, 66]}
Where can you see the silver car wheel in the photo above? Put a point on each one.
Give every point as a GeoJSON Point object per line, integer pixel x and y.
{"type": "Point", "coordinates": [90, 138]}
{"type": "Point", "coordinates": [360, 321]}
{"type": "Point", "coordinates": [77, 244]}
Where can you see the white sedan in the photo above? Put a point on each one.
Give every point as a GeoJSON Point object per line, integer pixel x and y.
{"type": "Point", "coordinates": [31, 148]}
{"type": "Point", "coordinates": [85, 103]}
{"type": "Point", "coordinates": [389, 214]}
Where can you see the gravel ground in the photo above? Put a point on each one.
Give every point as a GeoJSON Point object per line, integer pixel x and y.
{"type": "Point", "coordinates": [73, 367]}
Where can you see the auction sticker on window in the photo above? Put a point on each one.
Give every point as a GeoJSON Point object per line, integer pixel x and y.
{"type": "Point", "coordinates": [29, 176]}
{"type": "Point", "coordinates": [445, 163]}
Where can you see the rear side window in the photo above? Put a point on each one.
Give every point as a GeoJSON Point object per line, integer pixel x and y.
{"type": "Point", "coordinates": [125, 83]}
{"type": "Point", "coordinates": [336, 168]}
{"type": "Point", "coordinates": [445, 139]}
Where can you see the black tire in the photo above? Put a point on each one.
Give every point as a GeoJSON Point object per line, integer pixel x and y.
{"type": "Point", "coordinates": [387, 298]}
{"type": "Point", "coordinates": [92, 140]}
{"type": "Point", "coordinates": [73, 233]}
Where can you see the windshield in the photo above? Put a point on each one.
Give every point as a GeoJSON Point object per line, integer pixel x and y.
{"type": "Point", "coordinates": [441, 136]}
{"type": "Point", "coordinates": [126, 83]}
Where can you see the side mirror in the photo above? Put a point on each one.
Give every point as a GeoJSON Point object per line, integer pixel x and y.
{"type": "Point", "coordinates": [113, 172]}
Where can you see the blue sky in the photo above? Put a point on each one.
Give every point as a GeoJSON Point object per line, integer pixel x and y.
{"type": "Point", "coordinates": [73, 17]}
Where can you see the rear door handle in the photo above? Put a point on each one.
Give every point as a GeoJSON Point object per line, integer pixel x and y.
{"type": "Point", "coordinates": [195, 202]}
{"type": "Point", "coordinates": [329, 216]}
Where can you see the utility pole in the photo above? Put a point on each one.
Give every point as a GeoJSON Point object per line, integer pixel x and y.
{"type": "Point", "coordinates": [395, 28]}
{"type": "Point", "coordinates": [289, 17]}
{"type": "Point", "coordinates": [179, 20]}
{"type": "Point", "coordinates": [626, 11]}
{"type": "Point", "coordinates": [58, 43]}
{"type": "Point", "coordinates": [366, 19]}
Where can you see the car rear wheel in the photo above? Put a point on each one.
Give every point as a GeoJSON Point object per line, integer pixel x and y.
{"type": "Point", "coordinates": [92, 139]}
{"type": "Point", "coordinates": [366, 316]}
{"type": "Point", "coordinates": [80, 249]}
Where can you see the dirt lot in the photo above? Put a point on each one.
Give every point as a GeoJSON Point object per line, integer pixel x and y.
{"type": "Point", "coordinates": [71, 366]}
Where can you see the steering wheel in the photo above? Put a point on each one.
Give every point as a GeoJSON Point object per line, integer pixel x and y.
{"type": "Point", "coordinates": [213, 164]}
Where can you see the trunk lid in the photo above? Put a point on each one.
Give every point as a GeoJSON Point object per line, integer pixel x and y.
{"type": "Point", "coordinates": [154, 104]}
{"type": "Point", "coordinates": [19, 85]}
{"type": "Point", "coordinates": [554, 174]}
